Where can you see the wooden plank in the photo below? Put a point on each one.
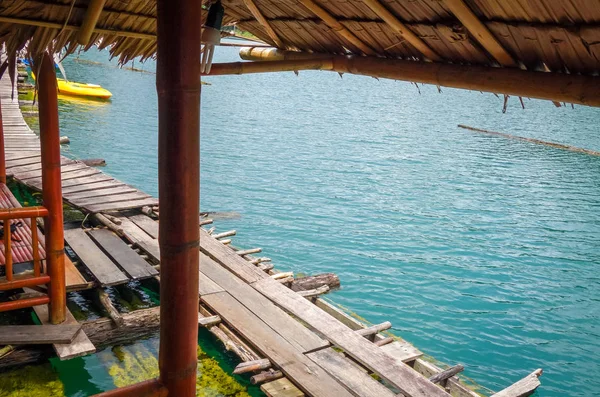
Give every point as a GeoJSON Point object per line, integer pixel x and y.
{"type": "Point", "coordinates": [119, 189]}
{"type": "Point", "coordinates": [103, 269]}
{"type": "Point", "coordinates": [307, 375]}
{"type": "Point", "coordinates": [291, 330]}
{"type": "Point", "coordinates": [281, 388]}
{"type": "Point", "coordinates": [522, 388]}
{"type": "Point", "coordinates": [362, 350]}
{"type": "Point", "coordinates": [68, 168]}
{"type": "Point", "coordinates": [227, 257]}
{"type": "Point", "coordinates": [86, 179]}
{"type": "Point", "coordinates": [37, 183]}
{"type": "Point", "coordinates": [151, 248]}
{"type": "Point", "coordinates": [93, 186]}
{"type": "Point", "coordinates": [127, 259]}
{"type": "Point", "coordinates": [85, 202]}
{"type": "Point", "coordinates": [87, 171]}
{"type": "Point", "coordinates": [74, 279]}
{"type": "Point", "coordinates": [356, 380]}
{"type": "Point", "coordinates": [24, 161]}
{"type": "Point", "coordinates": [80, 346]}
{"type": "Point", "coordinates": [122, 205]}
{"type": "Point", "coordinates": [37, 166]}
{"type": "Point", "coordinates": [132, 232]}
{"type": "Point", "coordinates": [38, 334]}
{"type": "Point", "coordinates": [146, 223]}
{"type": "Point", "coordinates": [206, 286]}
{"type": "Point", "coordinates": [402, 351]}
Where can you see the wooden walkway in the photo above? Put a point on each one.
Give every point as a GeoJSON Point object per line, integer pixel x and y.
{"type": "Point", "coordinates": [311, 348]}
{"type": "Point", "coordinates": [84, 187]}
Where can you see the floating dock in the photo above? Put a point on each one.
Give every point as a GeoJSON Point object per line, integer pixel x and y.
{"type": "Point", "coordinates": [295, 343]}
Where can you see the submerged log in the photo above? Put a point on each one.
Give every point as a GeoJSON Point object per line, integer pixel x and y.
{"type": "Point", "coordinates": [314, 282]}
{"type": "Point", "coordinates": [102, 332]}
{"type": "Point", "coordinates": [94, 162]}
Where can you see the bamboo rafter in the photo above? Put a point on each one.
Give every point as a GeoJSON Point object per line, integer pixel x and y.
{"type": "Point", "coordinates": [334, 24]}
{"type": "Point", "coordinates": [402, 29]}
{"type": "Point", "coordinates": [54, 25]}
{"type": "Point", "coordinates": [264, 23]}
{"type": "Point", "coordinates": [89, 22]}
{"type": "Point", "coordinates": [481, 33]}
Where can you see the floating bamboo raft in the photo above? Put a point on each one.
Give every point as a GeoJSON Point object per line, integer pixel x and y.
{"type": "Point", "coordinates": [294, 342]}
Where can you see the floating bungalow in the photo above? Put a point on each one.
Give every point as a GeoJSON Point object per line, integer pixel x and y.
{"type": "Point", "coordinates": [295, 342]}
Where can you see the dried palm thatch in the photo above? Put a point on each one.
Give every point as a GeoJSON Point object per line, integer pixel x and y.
{"type": "Point", "coordinates": [551, 35]}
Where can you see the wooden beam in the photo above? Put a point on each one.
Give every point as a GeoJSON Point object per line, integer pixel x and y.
{"type": "Point", "coordinates": [264, 23]}
{"type": "Point", "coordinates": [89, 21]}
{"type": "Point", "coordinates": [336, 25]}
{"type": "Point", "coordinates": [481, 33]}
{"type": "Point", "coordinates": [54, 25]}
{"type": "Point", "coordinates": [522, 388]}
{"type": "Point", "coordinates": [569, 88]}
{"type": "Point", "coordinates": [402, 29]}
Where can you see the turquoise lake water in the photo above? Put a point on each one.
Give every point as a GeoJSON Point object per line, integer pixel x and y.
{"type": "Point", "coordinates": [480, 250]}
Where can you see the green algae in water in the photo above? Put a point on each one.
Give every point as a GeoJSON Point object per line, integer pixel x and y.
{"type": "Point", "coordinates": [33, 381]}
{"type": "Point", "coordinates": [131, 364]}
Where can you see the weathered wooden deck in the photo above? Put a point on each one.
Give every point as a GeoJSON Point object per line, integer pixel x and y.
{"type": "Point", "coordinates": [310, 348]}
{"type": "Point", "coordinates": [84, 187]}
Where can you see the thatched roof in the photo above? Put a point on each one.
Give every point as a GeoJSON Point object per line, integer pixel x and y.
{"type": "Point", "coordinates": [555, 35]}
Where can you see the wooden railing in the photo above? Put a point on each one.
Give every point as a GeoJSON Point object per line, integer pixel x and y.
{"type": "Point", "coordinates": [22, 281]}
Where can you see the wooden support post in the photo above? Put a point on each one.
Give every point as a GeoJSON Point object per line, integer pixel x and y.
{"type": "Point", "coordinates": [250, 366]}
{"type": "Point", "coordinates": [336, 26]}
{"type": "Point", "coordinates": [481, 33]}
{"type": "Point", "coordinates": [446, 374]}
{"type": "Point", "coordinates": [178, 89]}
{"type": "Point", "coordinates": [264, 23]}
{"type": "Point", "coordinates": [374, 329]}
{"type": "Point", "coordinates": [51, 187]}
{"type": "Point", "coordinates": [89, 21]}
{"type": "Point", "coordinates": [2, 151]}
{"type": "Point", "coordinates": [8, 260]}
{"type": "Point", "coordinates": [402, 29]}
{"type": "Point", "coordinates": [265, 377]}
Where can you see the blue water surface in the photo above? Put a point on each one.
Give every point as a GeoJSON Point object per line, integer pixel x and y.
{"type": "Point", "coordinates": [480, 250]}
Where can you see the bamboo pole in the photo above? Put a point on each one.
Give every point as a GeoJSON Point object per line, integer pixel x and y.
{"type": "Point", "coordinates": [51, 187]}
{"type": "Point", "coordinates": [389, 18]}
{"type": "Point", "coordinates": [481, 33]}
{"type": "Point", "coordinates": [54, 25]}
{"type": "Point", "coordinates": [264, 23]}
{"type": "Point", "coordinates": [569, 88]}
{"type": "Point", "coordinates": [179, 89]}
{"type": "Point", "coordinates": [336, 26]}
{"type": "Point", "coordinates": [89, 21]}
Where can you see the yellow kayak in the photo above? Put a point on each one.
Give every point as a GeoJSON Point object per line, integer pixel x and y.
{"type": "Point", "coordinates": [82, 89]}
{"type": "Point", "coordinates": [73, 88]}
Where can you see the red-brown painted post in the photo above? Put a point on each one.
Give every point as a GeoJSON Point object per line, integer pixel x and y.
{"type": "Point", "coordinates": [51, 186]}
{"type": "Point", "coordinates": [178, 86]}
{"type": "Point", "coordinates": [2, 150]}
